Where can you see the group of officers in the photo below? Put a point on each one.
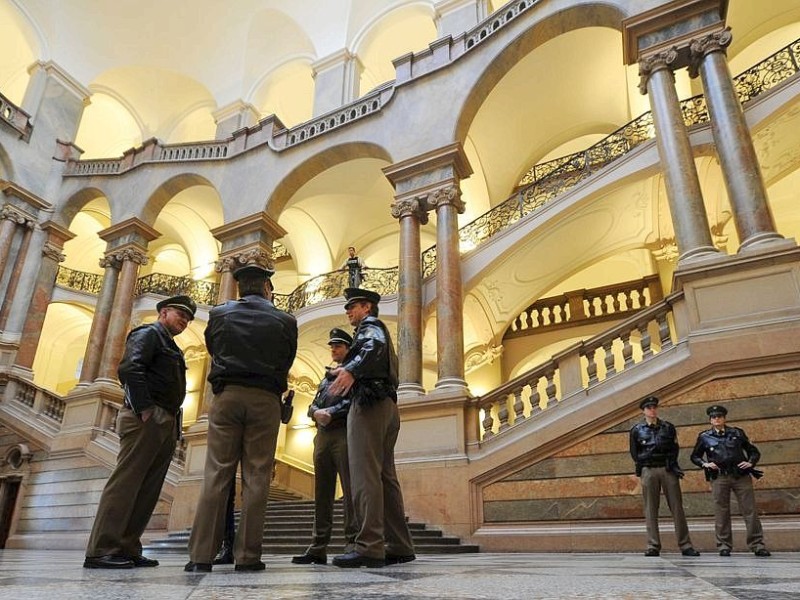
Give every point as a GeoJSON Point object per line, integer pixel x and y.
{"type": "Point", "coordinates": [252, 346]}
{"type": "Point", "coordinates": [728, 459]}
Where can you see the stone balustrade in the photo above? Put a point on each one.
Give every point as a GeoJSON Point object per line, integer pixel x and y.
{"type": "Point", "coordinates": [15, 117]}
{"type": "Point", "coordinates": [585, 306]}
{"type": "Point", "coordinates": [619, 349]}
{"type": "Point", "coordinates": [38, 400]}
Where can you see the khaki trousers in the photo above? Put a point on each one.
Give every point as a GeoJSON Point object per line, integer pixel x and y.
{"type": "Point", "coordinates": [721, 489]}
{"type": "Point", "coordinates": [132, 490]}
{"type": "Point", "coordinates": [330, 460]}
{"type": "Point", "coordinates": [655, 479]}
{"type": "Point", "coordinates": [243, 426]}
{"type": "Point", "coordinates": [371, 435]}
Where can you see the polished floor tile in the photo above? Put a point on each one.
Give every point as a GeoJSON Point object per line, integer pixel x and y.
{"type": "Point", "coordinates": [56, 575]}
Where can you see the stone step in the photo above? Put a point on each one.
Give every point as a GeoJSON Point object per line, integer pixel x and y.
{"type": "Point", "coordinates": [289, 524]}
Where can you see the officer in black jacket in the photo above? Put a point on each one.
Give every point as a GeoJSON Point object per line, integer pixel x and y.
{"type": "Point", "coordinates": [252, 346]}
{"type": "Point", "coordinates": [728, 459]}
{"type": "Point", "coordinates": [369, 377]}
{"type": "Point", "coordinates": [329, 413]}
{"type": "Point", "coordinates": [654, 449]}
{"type": "Point", "coordinates": [153, 375]}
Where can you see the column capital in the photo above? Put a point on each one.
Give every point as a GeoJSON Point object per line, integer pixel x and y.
{"type": "Point", "coordinates": [12, 213]}
{"type": "Point", "coordinates": [717, 41]}
{"type": "Point", "coordinates": [130, 253]}
{"type": "Point", "coordinates": [53, 251]}
{"type": "Point", "coordinates": [415, 206]}
{"type": "Point", "coordinates": [226, 264]}
{"type": "Point", "coordinates": [658, 61]}
{"type": "Point", "coordinates": [253, 256]}
{"type": "Point", "coordinates": [447, 196]}
{"type": "Point", "coordinates": [109, 260]}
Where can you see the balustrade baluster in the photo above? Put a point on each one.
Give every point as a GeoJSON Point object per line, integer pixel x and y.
{"type": "Point", "coordinates": [502, 414]}
{"type": "Point", "coordinates": [535, 398]}
{"type": "Point", "coordinates": [663, 331]}
{"type": "Point", "coordinates": [627, 350]}
{"type": "Point", "coordinates": [608, 347]}
{"type": "Point", "coordinates": [550, 389]}
{"type": "Point", "coordinates": [488, 422]}
{"type": "Point", "coordinates": [518, 405]}
{"type": "Point", "coordinates": [591, 367]}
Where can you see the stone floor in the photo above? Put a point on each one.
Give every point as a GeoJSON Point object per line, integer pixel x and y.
{"type": "Point", "coordinates": [56, 575]}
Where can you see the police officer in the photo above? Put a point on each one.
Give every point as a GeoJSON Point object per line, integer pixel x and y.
{"type": "Point", "coordinates": [252, 345]}
{"type": "Point", "coordinates": [728, 459]}
{"type": "Point", "coordinates": [329, 412]}
{"type": "Point", "coordinates": [369, 376]}
{"type": "Point", "coordinates": [153, 375]}
{"type": "Point", "coordinates": [654, 449]}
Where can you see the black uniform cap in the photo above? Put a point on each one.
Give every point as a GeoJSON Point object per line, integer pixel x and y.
{"type": "Point", "coordinates": [340, 336]}
{"type": "Point", "coordinates": [716, 411]}
{"type": "Point", "coordinates": [648, 401]}
{"type": "Point", "coordinates": [253, 270]}
{"type": "Point", "coordinates": [358, 294]}
{"type": "Point", "coordinates": [185, 303]}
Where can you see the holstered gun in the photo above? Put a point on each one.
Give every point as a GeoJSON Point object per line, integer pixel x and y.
{"type": "Point", "coordinates": [286, 407]}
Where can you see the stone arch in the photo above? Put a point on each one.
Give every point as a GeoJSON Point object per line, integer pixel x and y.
{"type": "Point", "coordinates": [593, 15]}
{"type": "Point", "coordinates": [168, 190]}
{"type": "Point", "coordinates": [316, 164]}
{"type": "Point", "coordinates": [76, 202]}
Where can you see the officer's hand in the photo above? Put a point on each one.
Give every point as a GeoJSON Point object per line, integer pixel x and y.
{"type": "Point", "coordinates": [146, 414]}
{"type": "Point", "coordinates": [323, 417]}
{"type": "Point", "coordinates": [745, 465]}
{"type": "Point", "coordinates": [343, 382]}
{"type": "Point", "coordinates": [712, 466]}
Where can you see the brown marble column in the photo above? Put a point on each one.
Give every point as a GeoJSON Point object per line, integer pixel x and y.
{"type": "Point", "coordinates": [737, 156]}
{"type": "Point", "coordinates": [8, 227]}
{"type": "Point", "coordinates": [227, 284]}
{"type": "Point", "coordinates": [449, 297]}
{"type": "Point", "coordinates": [102, 316]}
{"type": "Point", "coordinates": [13, 281]}
{"type": "Point", "coordinates": [121, 311]}
{"type": "Point", "coordinates": [411, 212]}
{"type": "Point", "coordinates": [42, 292]}
{"type": "Point", "coordinates": [692, 232]}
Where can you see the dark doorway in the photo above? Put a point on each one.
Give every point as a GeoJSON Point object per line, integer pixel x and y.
{"type": "Point", "coordinates": [9, 490]}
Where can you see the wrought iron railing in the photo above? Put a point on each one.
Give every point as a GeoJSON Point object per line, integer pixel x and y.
{"type": "Point", "coordinates": [202, 292]}
{"type": "Point", "coordinates": [332, 285]}
{"type": "Point", "coordinates": [79, 280]}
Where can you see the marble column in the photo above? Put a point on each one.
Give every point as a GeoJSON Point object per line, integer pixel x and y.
{"type": "Point", "coordinates": [754, 222]}
{"type": "Point", "coordinates": [692, 232]}
{"type": "Point", "coordinates": [6, 299]}
{"type": "Point", "coordinates": [131, 259]}
{"type": "Point", "coordinates": [9, 218]}
{"type": "Point", "coordinates": [46, 272]}
{"type": "Point", "coordinates": [102, 316]}
{"type": "Point", "coordinates": [411, 213]}
{"type": "Point", "coordinates": [449, 296]}
{"type": "Point", "coordinates": [227, 284]}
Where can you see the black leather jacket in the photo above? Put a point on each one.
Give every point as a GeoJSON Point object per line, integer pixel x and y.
{"type": "Point", "coordinates": [373, 363]}
{"type": "Point", "coordinates": [336, 406]}
{"type": "Point", "coordinates": [251, 343]}
{"type": "Point", "coordinates": [726, 449]}
{"type": "Point", "coordinates": [152, 370]}
{"type": "Point", "coordinates": [655, 446]}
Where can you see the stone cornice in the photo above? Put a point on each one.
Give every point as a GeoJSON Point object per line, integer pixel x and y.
{"type": "Point", "coordinates": [12, 189]}
{"type": "Point", "coordinates": [129, 227]}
